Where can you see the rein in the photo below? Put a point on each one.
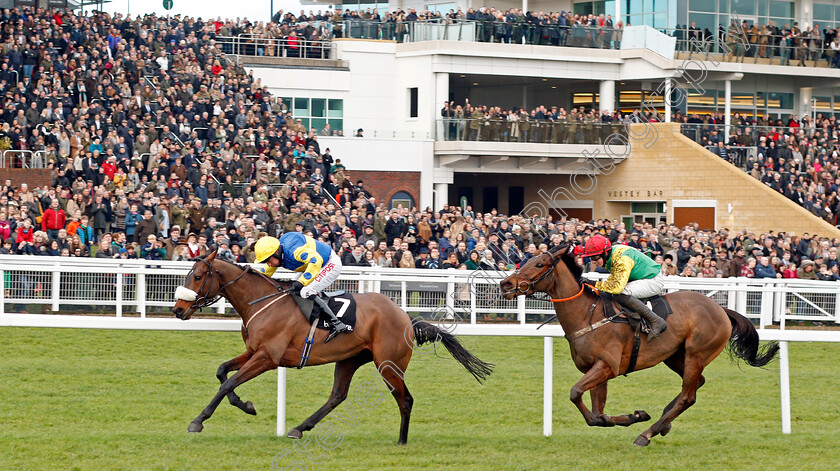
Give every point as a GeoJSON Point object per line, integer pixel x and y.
{"type": "Point", "coordinates": [570, 298]}
{"type": "Point", "coordinates": [203, 301]}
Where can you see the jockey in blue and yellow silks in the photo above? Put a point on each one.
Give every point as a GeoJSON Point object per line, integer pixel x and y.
{"type": "Point", "coordinates": [317, 261]}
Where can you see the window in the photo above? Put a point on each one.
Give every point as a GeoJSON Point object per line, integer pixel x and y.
{"type": "Point", "coordinates": [403, 198]}
{"type": "Point", "coordinates": [412, 102]}
{"type": "Point", "coordinates": [316, 113]}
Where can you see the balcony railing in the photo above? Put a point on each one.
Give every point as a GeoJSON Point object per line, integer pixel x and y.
{"type": "Point", "coordinates": [247, 45]}
{"type": "Point", "coordinates": [537, 131]}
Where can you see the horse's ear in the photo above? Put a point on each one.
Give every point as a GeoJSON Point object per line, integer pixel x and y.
{"type": "Point", "coordinates": [211, 256]}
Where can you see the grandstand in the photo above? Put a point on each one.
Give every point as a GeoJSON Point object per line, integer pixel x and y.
{"type": "Point", "coordinates": [163, 139]}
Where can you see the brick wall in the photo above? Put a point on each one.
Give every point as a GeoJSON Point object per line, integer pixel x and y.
{"type": "Point", "coordinates": [32, 177]}
{"type": "Point", "coordinates": [384, 184]}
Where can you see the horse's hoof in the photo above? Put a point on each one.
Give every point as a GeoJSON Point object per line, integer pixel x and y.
{"type": "Point", "coordinates": [294, 433]}
{"type": "Point", "coordinates": [249, 408]}
{"type": "Point", "coordinates": [665, 430]}
{"type": "Point", "coordinates": [642, 440]}
{"type": "Point", "coordinates": [195, 428]}
{"type": "Point", "coordinates": [641, 416]}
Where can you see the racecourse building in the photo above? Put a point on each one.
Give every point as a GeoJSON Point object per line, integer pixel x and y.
{"type": "Point", "coordinates": [500, 107]}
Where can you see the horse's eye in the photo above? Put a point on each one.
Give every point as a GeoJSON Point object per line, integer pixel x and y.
{"type": "Point", "coordinates": [540, 265]}
{"type": "Point", "coordinates": [197, 277]}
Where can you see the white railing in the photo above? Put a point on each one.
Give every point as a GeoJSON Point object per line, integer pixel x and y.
{"type": "Point", "coordinates": [60, 281]}
{"type": "Point", "coordinates": [143, 286]}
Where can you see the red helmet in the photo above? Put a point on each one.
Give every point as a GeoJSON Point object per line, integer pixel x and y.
{"type": "Point", "coordinates": [597, 245]}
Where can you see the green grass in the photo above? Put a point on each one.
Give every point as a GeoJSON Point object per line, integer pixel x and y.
{"type": "Point", "coordinates": [97, 400]}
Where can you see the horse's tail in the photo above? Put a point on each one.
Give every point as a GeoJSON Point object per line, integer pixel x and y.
{"type": "Point", "coordinates": [744, 341]}
{"type": "Point", "coordinates": [425, 332]}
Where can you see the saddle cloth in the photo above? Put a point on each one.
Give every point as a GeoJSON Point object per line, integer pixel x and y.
{"type": "Point", "coordinates": [658, 304]}
{"type": "Point", "coordinates": [342, 304]}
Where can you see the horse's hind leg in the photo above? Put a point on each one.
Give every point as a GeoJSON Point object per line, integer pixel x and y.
{"type": "Point", "coordinates": [227, 367]}
{"type": "Point", "coordinates": [393, 375]}
{"type": "Point", "coordinates": [344, 371]}
{"type": "Point", "coordinates": [692, 375]}
{"type": "Point", "coordinates": [599, 400]}
{"type": "Point", "coordinates": [677, 364]}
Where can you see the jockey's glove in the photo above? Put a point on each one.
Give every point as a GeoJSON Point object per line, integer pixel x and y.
{"type": "Point", "coordinates": [296, 286]}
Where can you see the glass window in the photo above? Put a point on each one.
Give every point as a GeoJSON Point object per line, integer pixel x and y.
{"type": "Point", "coordinates": [599, 8]}
{"type": "Point", "coordinates": [781, 9]}
{"type": "Point", "coordinates": [660, 20]}
{"type": "Point", "coordinates": [301, 107]}
{"type": "Point", "coordinates": [403, 198]}
{"type": "Point", "coordinates": [780, 100]}
{"type": "Point", "coordinates": [336, 109]}
{"type": "Point", "coordinates": [823, 103]}
{"type": "Point", "coordinates": [723, 6]}
{"type": "Point", "coordinates": [336, 124]}
{"type": "Point", "coordinates": [823, 12]}
{"type": "Point", "coordinates": [583, 8]}
{"type": "Point", "coordinates": [318, 124]}
{"type": "Point", "coordinates": [762, 8]}
{"type": "Point", "coordinates": [704, 21]}
{"type": "Point", "coordinates": [701, 5]}
{"type": "Point", "coordinates": [319, 107]}
{"type": "Point", "coordinates": [743, 7]}
{"type": "Point", "coordinates": [635, 7]}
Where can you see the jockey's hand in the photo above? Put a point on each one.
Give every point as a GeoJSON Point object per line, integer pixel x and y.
{"type": "Point", "coordinates": [296, 286]}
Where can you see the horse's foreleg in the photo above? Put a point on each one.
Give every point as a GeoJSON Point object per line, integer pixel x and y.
{"type": "Point", "coordinates": [598, 374]}
{"type": "Point", "coordinates": [691, 380]}
{"type": "Point", "coordinates": [258, 364]}
{"type": "Point", "coordinates": [344, 371]}
{"type": "Point", "coordinates": [233, 365]}
{"type": "Point", "coordinates": [599, 400]}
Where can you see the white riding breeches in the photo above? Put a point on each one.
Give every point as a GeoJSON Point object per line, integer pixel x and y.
{"type": "Point", "coordinates": [644, 288]}
{"type": "Point", "coordinates": [329, 273]}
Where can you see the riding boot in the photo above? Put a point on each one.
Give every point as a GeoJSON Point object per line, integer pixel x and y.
{"type": "Point", "coordinates": [338, 327]}
{"type": "Point", "coordinates": [657, 324]}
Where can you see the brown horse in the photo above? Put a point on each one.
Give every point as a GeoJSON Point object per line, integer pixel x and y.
{"type": "Point", "coordinates": [698, 330]}
{"type": "Point", "coordinates": [274, 331]}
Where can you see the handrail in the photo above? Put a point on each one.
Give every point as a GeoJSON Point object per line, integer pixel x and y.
{"type": "Point", "coordinates": [255, 46]}
{"type": "Point", "coordinates": [534, 131]}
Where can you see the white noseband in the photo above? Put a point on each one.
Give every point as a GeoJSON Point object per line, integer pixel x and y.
{"type": "Point", "coordinates": [185, 294]}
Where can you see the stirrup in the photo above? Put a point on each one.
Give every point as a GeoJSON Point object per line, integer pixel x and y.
{"type": "Point", "coordinates": [335, 331]}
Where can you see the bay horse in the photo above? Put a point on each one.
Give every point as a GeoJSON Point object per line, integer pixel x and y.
{"type": "Point", "coordinates": [274, 331]}
{"type": "Point", "coordinates": [698, 330]}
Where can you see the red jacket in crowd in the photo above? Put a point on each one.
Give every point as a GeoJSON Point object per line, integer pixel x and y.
{"type": "Point", "coordinates": [53, 220]}
{"type": "Point", "coordinates": [24, 234]}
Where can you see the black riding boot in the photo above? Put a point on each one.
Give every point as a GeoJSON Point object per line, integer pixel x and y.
{"type": "Point", "coordinates": [657, 324]}
{"type": "Point", "coordinates": [338, 326]}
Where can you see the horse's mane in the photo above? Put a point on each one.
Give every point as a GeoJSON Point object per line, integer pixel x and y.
{"type": "Point", "coordinates": [247, 268]}
{"type": "Point", "coordinates": [569, 259]}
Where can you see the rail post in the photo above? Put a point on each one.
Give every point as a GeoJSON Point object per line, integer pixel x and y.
{"type": "Point", "coordinates": [141, 294]}
{"type": "Point", "coordinates": [119, 286]}
{"type": "Point", "coordinates": [2, 291]}
{"type": "Point", "coordinates": [548, 383]}
{"type": "Point", "coordinates": [784, 380]}
{"type": "Point", "coordinates": [56, 286]}
{"type": "Point", "coordinates": [281, 401]}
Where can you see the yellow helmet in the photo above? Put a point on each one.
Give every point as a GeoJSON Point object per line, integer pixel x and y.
{"type": "Point", "coordinates": [265, 248]}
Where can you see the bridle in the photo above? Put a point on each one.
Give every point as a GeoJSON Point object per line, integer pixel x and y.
{"type": "Point", "coordinates": [204, 300]}
{"type": "Point", "coordinates": [528, 283]}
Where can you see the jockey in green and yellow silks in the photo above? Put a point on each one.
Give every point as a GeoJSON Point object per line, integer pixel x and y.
{"type": "Point", "coordinates": [633, 275]}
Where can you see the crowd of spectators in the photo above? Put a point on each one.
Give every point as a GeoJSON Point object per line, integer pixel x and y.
{"type": "Point", "coordinates": [751, 40]}
{"type": "Point", "coordinates": [799, 157]}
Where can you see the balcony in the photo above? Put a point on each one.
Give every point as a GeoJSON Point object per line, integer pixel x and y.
{"type": "Point", "coordinates": [552, 147]}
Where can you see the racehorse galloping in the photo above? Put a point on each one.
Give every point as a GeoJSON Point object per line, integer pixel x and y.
{"type": "Point", "coordinates": [274, 331]}
{"type": "Point", "coordinates": [698, 330]}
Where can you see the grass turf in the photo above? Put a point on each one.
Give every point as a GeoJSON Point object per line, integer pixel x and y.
{"type": "Point", "coordinates": [80, 399]}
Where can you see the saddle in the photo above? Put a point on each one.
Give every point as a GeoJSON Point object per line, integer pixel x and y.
{"type": "Point", "coordinates": [342, 303]}
{"type": "Point", "coordinates": [658, 304]}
